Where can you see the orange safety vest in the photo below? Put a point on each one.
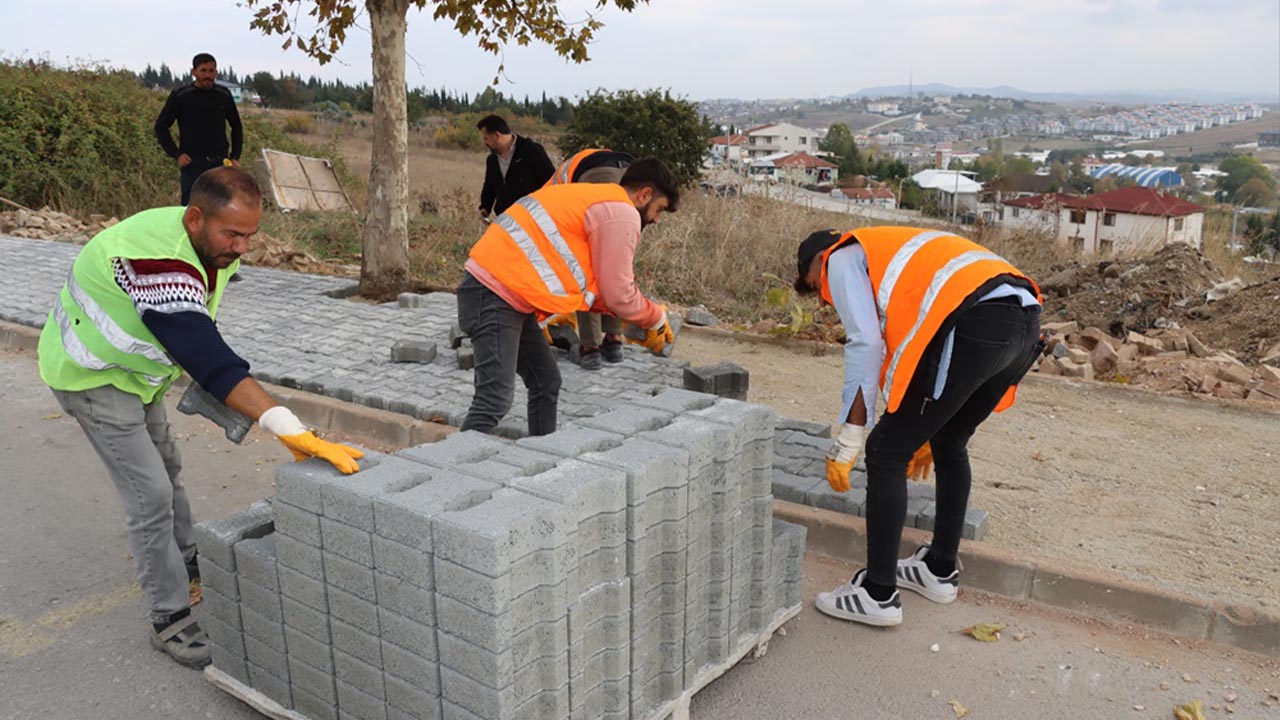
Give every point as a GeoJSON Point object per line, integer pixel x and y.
{"type": "Point", "coordinates": [564, 174]}
{"type": "Point", "coordinates": [919, 277]}
{"type": "Point", "coordinates": [538, 248]}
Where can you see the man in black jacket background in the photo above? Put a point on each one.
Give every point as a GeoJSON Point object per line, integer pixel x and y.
{"type": "Point", "coordinates": [516, 166]}
{"type": "Point", "coordinates": [203, 110]}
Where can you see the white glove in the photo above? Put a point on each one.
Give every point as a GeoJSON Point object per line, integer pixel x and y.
{"type": "Point", "coordinates": [846, 446]}
{"type": "Point", "coordinates": [281, 422]}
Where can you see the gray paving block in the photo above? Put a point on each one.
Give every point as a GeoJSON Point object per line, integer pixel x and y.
{"type": "Point", "coordinates": [756, 421]}
{"type": "Point", "coordinates": [819, 430]}
{"type": "Point", "coordinates": [407, 701]}
{"type": "Point", "coordinates": [218, 579]}
{"type": "Point", "coordinates": [353, 610]}
{"type": "Point", "coordinates": [263, 629]}
{"type": "Point", "coordinates": [408, 634]}
{"type": "Point", "coordinates": [527, 699]}
{"type": "Point", "coordinates": [405, 599]}
{"type": "Point", "coordinates": [543, 642]}
{"type": "Point", "coordinates": [222, 608]}
{"type": "Point", "coordinates": [921, 490]}
{"type": "Point", "coordinates": [353, 577]}
{"type": "Point", "coordinates": [267, 657]}
{"type": "Point", "coordinates": [676, 401]}
{"type": "Point", "coordinates": [927, 516]}
{"type": "Point", "coordinates": [312, 680]}
{"type": "Point", "coordinates": [975, 524]}
{"type": "Point", "coordinates": [351, 543]}
{"type": "Point", "coordinates": [456, 336]}
{"type": "Point", "coordinates": [299, 483]}
{"type": "Point", "coordinates": [405, 517]}
{"type": "Point", "coordinates": [607, 701]}
{"type": "Point", "coordinates": [495, 595]}
{"type": "Point", "coordinates": [489, 537]}
{"type": "Point", "coordinates": [405, 665]}
{"type": "Point", "coordinates": [307, 620]}
{"type": "Point", "coordinates": [793, 488]}
{"type": "Point", "coordinates": [357, 704]}
{"type": "Point", "coordinates": [649, 466]}
{"type": "Point", "coordinates": [413, 351]}
{"type": "Point", "coordinates": [256, 561]}
{"type": "Point", "coordinates": [852, 502]}
{"type": "Point", "coordinates": [466, 357]}
{"type": "Point", "coordinates": [230, 663]}
{"type": "Point", "coordinates": [303, 589]}
{"type": "Point", "coordinates": [216, 539]}
{"type": "Point", "coordinates": [266, 682]}
{"type": "Point", "coordinates": [312, 707]}
{"type": "Point", "coordinates": [298, 556]}
{"type": "Point", "coordinates": [261, 600]}
{"type": "Point", "coordinates": [307, 649]}
{"type": "Point", "coordinates": [403, 562]}
{"type": "Point", "coordinates": [359, 674]}
{"type": "Point", "coordinates": [495, 632]}
{"type": "Point", "coordinates": [572, 441]}
{"type": "Point", "coordinates": [351, 501]}
{"type": "Point", "coordinates": [627, 420]}
{"type": "Point", "coordinates": [800, 466]}
{"type": "Point", "coordinates": [298, 524]}
{"type": "Point", "coordinates": [725, 379]}
{"type": "Point", "coordinates": [222, 635]}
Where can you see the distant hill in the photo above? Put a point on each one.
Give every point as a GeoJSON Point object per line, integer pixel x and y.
{"type": "Point", "coordinates": [1122, 97]}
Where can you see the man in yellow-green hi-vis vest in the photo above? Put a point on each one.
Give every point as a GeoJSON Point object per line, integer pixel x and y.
{"type": "Point", "coordinates": [137, 311]}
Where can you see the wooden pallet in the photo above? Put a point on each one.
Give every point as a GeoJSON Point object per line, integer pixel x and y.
{"type": "Point", "coordinates": [677, 709]}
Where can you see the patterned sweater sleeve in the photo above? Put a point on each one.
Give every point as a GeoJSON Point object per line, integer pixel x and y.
{"type": "Point", "coordinates": [170, 296]}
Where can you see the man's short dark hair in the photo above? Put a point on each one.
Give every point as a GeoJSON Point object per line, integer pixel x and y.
{"type": "Point", "coordinates": [494, 124]}
{"type": "Point", "coordinates": [201, 59]}
{"type": "Point", "coordinates": [811, 247]}
{"type": "Point", "coordinates": [217, 188]}
{"type": "Point", "coordinates": [651, 172]}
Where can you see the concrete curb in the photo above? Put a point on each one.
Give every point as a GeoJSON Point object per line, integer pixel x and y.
{"type": "Point", "coordinates": [1098, 595]}
{"type": "Point", "coordinates": [814, 347]}
{"type": "Point", "coordinates": [322, 413]}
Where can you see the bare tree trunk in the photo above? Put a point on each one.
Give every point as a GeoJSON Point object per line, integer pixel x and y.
{"type": "Point", "coordinates": [385, 262]}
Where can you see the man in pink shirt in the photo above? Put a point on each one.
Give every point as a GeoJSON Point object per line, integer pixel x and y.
{"type": "Point", "coordinates": [554, 250]}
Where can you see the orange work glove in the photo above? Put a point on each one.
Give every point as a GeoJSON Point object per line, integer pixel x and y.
{"type": "Point", "coordinates": [841, 456]}
{"type": "Point", "coordinates": [303, 443]}
{"type": "Point", "coordinates": [921, 463]}
{"type": "Point", "coordinates": [659, 336]}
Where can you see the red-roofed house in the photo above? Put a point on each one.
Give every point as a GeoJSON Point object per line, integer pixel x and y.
{"type": "Point", "coordinates": [1127, 220]}
{"type": "Point", "coordinates": [728, 147]}
{"type": "Point", "coordinates": [800, 168]}
{"type": "Point", "coordinates": [880, 197]}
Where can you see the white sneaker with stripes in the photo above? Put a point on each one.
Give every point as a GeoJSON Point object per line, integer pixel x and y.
{"type": "Point", "coordinates": [851, 601]}
{"type": "Point", "coordinates": [914, 574]}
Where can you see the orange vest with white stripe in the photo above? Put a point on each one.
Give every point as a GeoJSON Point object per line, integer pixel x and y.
{"type": "Point", "coordinates": [919, 277]}
{"type": "Point", "coordinates": [538, 248]}
{"type": "Point", "coordinates": [564, 174]}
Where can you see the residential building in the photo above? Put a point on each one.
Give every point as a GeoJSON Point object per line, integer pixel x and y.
{"type": "Point", "coordinates": [1142, 175]}
{"type": "Point", "coordinates": [780, 138]}
{"type": "Point", "coordinates": [727, 148]}
{"type": "Point", "coordinates": [878, 197]}
{"type": "Point", "coordinates": [956, 189]}
{"type": "Point", "coordinates": [1015, 186]}
{"type": "Point", "coordinates": [884, 107]}
{"type": "Point", "coordinates": [1134, 219]}
{"type": "Point", "coordinates": [798, 168]}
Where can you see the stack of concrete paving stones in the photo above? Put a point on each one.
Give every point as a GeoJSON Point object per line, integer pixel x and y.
{"type": "Point", "coordinates": [297, 330]}
{"type": "Point", "coordinates": [599, 572]}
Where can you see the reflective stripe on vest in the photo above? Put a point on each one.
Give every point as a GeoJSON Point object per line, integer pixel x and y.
{"type": "Point", "coordinates": [896, 266]}
{"type": "Point", "coordinates": [940, 279]}
{"type": "Point", "coordinates": [548, 228]}
{"type": "Point", "coordinates": [532, 253]}
{"type": "Point", "coordinates": [111, 330]}
{"type": "Point", "coordinates": [81, 355]}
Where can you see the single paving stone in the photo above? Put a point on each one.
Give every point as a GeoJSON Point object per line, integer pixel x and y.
{"type": "Point", "coordinates": [414, 351]}
{"type": "Point", "coordinates": [725, 379]}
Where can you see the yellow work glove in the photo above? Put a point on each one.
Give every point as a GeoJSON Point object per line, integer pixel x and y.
{"type": "Point", "coordinates": [921, 463]}
{"type": "Point", "coordinates": [303, 443]}
{"type": "Point", "coordinates": [659, 336]}
{"type": "Point", "coordinates": [841, 456]}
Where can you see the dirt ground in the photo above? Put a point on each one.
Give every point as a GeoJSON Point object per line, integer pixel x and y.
{"type": "Point", "coordinates": [1182, 491]}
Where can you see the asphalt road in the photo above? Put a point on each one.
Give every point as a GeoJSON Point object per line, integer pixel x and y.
{"type": "Point", "coordinates": [73, 641]}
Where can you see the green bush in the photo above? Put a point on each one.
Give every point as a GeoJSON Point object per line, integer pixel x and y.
{"type": "Point", "coordinates": [300, 124]}
{"type": "Point", "coordinates": [460, 132]}
{"type": "Point", "coordinates": [81, 140]}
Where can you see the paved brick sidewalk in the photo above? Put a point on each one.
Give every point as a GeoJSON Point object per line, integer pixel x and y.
{"type": "Point", "coordinates": [302, 331]}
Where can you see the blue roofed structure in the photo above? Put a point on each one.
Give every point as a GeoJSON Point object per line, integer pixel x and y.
{"type": "Point", "coordinates": [1141, 176]}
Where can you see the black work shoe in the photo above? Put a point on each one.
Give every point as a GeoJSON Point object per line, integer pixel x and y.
{"type": "Point", "coordinates": [563, 337]}
{"type": "Point", "coordinates": [586, 359]}
{"type": "Point", "coordinates": [611, 350]}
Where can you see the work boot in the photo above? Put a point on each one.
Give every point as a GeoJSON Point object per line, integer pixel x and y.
{"type": "Point", "coordinates": [183, 640]}
{"type": "Point", "coordinates": [611, 349]}
{"type": "Point", "coordinates": [588, 359]}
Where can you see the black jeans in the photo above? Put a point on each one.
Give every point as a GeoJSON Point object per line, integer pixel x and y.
{"type": "Point", "coordinates": [194, 169]}
{"type": "Point", "coordinates": [995, 344]}
{"type": "Point", "coordinates": [506, 342]}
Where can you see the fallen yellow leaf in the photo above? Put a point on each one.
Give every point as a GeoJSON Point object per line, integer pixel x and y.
{"type": "Point", "coordinates": [52, 416]}
{"type": "Point", "coordinates": [958, 709]}
{"type": "Point", "coordinates": [986, 632]}
{"type": "Point", "coordinates": [1193, 710]}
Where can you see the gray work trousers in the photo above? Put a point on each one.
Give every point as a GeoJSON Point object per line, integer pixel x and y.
{"type": "Point", "coordinates": [592, 327]}
{"type": "Point", "coordinates": [134, 443]}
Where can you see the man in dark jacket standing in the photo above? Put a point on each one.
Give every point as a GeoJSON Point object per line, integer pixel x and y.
{"type": "Point", "coordinates": [203, 109]}
{"type": "Point", "coordinates": [516, 166]}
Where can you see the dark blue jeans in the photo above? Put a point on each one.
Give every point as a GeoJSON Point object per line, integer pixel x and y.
{"type": "Point", "coordinates": [995, 344]}
{"type": "Point", "coordinates": [193, 170]}
{"type": "Point", "coordinates": [507, 342]}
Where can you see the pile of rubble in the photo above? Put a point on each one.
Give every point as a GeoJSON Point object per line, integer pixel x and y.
{"type": "Point", "coordinates": [1168, 358]}
{"type": "Point", "coordinates": [49, 224]}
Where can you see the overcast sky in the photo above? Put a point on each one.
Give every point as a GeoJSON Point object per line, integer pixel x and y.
{"type": "Point", "coordinates": [731, 48]}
